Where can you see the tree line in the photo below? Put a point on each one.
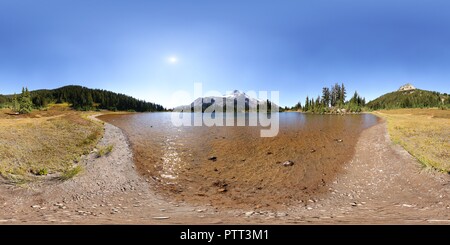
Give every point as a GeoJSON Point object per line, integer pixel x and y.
{"type": "Point", "coordinates": [80, 98]}
{"type": "Point", "coordinates": [332, 99]}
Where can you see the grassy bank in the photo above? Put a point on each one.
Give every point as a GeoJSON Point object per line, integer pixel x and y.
{"type": "Point", "coordinates": [424, 133]}
{"type": "Point", "coordinates": [45, 142]}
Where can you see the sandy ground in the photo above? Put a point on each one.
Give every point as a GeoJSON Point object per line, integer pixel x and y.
{"type": "Point", "coordinates": [381, 184]}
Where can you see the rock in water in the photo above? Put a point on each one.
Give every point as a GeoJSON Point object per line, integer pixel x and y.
{"type": "Point", "coordinates": [161, 218]}
{"type": "Point", "coordinates": [288, 163]}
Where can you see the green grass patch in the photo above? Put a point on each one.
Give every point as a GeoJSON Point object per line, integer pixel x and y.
{"type": "Point", "coordinates": [40, 171]}
{"type": "Point", "coordinates": [71, 172]}
{"type": "Point", "coordinates": [104, 150]}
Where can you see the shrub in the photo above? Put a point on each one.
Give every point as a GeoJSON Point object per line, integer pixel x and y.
{"type": "Point", "coordinates": [71, 172]}
{"type": "Point", "coordinates": [105, 150]}
{"type": "Point", "coordinates": [42, 171]}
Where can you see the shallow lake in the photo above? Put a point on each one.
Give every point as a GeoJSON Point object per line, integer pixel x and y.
{"type": "Point", "coordinates": [246, 168]}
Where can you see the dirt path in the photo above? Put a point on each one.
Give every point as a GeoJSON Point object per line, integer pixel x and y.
{"type": "Point", "coordinates": [381, 184]}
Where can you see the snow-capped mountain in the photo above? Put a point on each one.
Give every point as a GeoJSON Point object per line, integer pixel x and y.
{"type": "Point", "coordinates": [241, 101]}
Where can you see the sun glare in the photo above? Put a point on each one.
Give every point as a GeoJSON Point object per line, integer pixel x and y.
{"type": "Point", "coordinates": [173, 60]}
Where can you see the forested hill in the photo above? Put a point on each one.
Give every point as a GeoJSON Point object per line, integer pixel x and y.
{"type": "Point", "coordinates": [414, 98]}
{"type": "Point", "coordinates": [82, 98]}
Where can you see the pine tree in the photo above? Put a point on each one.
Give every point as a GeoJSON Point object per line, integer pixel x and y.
{"type": "Point", "coordinates": [318, 103]}
{"type": "Point", "coordinates": [298, 106]}
{"type": "Point", "coordinates": [354, 99]}
{"type": "Point", "coordinates": [343, 94]}
{"type": "Point", "coordinates": [335, 93]}
{"type": "Point", "coordinates": [307, 105]}
{"type": "Point", "coordinates": [326, 96]}
{"type": "Point", "coordinates": [26, 105]}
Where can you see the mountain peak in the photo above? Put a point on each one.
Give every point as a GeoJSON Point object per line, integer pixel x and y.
{"type": "Point", "coordinates": [236, 92]}
{"type": "Point", "coordinates": [248, 101]}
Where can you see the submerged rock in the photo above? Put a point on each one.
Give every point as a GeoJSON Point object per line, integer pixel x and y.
{"type": "Point", "coordinates": [161, 217]}
{"type": "Point", "coordinates": [288, 163]}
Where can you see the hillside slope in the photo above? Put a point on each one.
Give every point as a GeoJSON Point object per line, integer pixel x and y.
{"type": "Point", "coordinates": [413, 98]}
{"type": "Point", "coordinates": [86, 99]}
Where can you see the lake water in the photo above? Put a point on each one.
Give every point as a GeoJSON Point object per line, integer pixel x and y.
{"type": "Point", "coordinates": [248, 169]}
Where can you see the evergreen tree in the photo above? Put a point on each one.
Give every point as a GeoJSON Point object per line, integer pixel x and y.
{"type": "Point", "coordinates": [318, 101]}
{"type": "Point", "coordinates": [306, 107]}
{"type": "Point", "coordinates": [342, 94]}
{"type": "Point", "coordinates": [318, 104]}
{"type": "Point", "coordinates": [335, 91]}
{"type": "Point", "coordinates": [354, 99]}
{"type": "Point", "coordinates": [326, 97]}
{"type": "Point", "coordinates": [25, 103]}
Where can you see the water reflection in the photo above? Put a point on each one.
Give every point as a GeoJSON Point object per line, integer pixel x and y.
{"type": "Point", "coordinates": [247, 165]}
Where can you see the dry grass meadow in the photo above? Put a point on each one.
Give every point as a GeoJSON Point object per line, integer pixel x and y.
{"type": "Point", "coordinates": [424, 133]}
{"type": "Point", "coordinates": [48, 142]}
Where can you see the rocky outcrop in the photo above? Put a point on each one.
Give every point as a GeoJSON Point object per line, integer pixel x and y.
{"type": "Point", "coordinates": [407, 87]}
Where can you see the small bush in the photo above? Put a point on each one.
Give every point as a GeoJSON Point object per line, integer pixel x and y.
{"type": "Point", "coordinates": [71, 172]}
{"type": "Point", "coordinates": [91, 138]}
{"type": "Point", "coordinates": [41, 172]}
{"type": "Point", "coordinates": [105, 150]}
{"type": "Point", "coordinates": [16, 176]}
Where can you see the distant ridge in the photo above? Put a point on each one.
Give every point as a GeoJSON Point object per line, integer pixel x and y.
{"type": "Point", "coordinates": [82, 98]}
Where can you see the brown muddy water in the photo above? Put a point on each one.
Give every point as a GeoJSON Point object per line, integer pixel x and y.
{"type": "Point", "coordinates": [248, 169]}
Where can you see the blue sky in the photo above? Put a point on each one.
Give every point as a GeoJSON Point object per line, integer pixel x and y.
{"type": "Point", "coordinates": [292, 46]}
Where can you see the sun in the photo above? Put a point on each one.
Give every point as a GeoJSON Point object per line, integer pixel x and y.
{"type": "Point", "coordinates": [173, 60]}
